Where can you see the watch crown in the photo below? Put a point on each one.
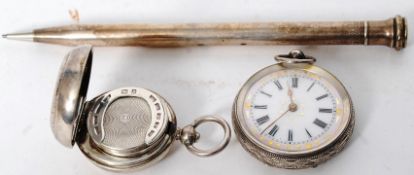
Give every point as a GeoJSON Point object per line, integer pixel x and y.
{"type": "Point", "coordinates": [295, 56]}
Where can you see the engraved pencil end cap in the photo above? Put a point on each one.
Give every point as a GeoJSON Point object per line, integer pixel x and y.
{"type": "Point", "coordinates": [400, 32]}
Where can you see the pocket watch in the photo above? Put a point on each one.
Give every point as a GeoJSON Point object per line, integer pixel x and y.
{"type": "Point", "coordinates": [122, 129]}
{"type": "Point", "coordinates": [293, 114]}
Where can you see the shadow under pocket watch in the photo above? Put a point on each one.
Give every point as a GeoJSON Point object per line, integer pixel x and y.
{"type": "Point", "coordinates": [123, 129]}
{"type": "Point", "coordinates": [293, 114]}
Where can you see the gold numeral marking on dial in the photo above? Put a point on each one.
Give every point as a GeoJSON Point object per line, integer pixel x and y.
{"type": "Point", "coordinates": [339, 111]}
{"type": "Point", "coordinates": [247, 105]}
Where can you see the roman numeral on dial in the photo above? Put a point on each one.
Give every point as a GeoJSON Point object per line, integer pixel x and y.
{"type": "Point", "coordinates": [274, 130]}
{"type": "Point", "coordinates": [295, 82]}
{"type": "Point", "coordinates": [279, 86]}
{"type": "Point", "coordinates": [310, 87]}
{"type": "Point", "coordinates": [309, 134]}
{"type": "Point", "coordinates": [265, 93]}
{"type": "Point", "coordinates": [322, 97]}
{"type": "Point", "coordinates": [290, 135]}
{"type": "Point", "coordinates": [324, 110]}
{"type": "Point", "coordinates": [262, 120]}
{"type": "Point", "coordinates": [319, 123]}
{"type": "Point", "coordinates": [260, 106]}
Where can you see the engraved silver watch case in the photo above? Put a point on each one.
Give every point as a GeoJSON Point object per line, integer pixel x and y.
{"type": "Point", "coordinates": [120, 130]}
{"type": "Point", "coordinates": [265, 147]}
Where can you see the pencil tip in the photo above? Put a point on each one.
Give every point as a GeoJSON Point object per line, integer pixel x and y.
{"type": "Point", "coordinates": [19, 36]}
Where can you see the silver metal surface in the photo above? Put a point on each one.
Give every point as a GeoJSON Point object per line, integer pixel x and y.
{"type": "Point", "coordinates": [127, 130]}
{"type": "Point", "coordinates": [126, 121]}
{"type": "Point", "coordinates": [293, 160]}
{"type": "Point", "coordinates": [391, 32]}
{"type": "Point", "coordinates": [295, 56]}
{"type": "Point", "coordinates": [121, 130]}
{"type": "Point", "coordinates": [70, 94]}
{"type": "Point", "coordinates": [20, 36]}
{"type": "Point", "coordinates": [132, 150]}
{"type": "Point", "coordinates": [188, 136]}
{"type": "Point", "coordinates": [366, 33]}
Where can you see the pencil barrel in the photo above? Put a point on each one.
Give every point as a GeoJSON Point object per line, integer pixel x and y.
{"type": "Point", "coordinates": [391, 32]}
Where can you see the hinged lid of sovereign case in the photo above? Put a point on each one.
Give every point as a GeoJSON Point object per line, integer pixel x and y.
{"type": "Point", "coordinates": [70, 94]}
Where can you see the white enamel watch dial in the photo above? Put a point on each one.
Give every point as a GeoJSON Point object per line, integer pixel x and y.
{"type": "Point", "coordinates": [290, 114]}
{"type": "Point", "coordinates": [291, 108]}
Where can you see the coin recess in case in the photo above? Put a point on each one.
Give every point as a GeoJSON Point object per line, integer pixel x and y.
{"type": "Point", "coordinates": [123, 129]}
{"type": "Point", "coordinates": [293, 114]}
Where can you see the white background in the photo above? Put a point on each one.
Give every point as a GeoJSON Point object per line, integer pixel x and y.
{"type": "Point", "coordinates": [203, 80]}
